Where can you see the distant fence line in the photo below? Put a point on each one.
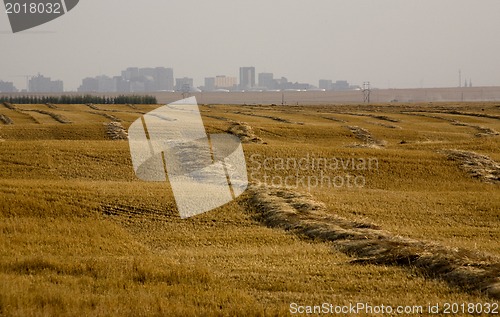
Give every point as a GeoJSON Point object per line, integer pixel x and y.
{"type": "Point", "coordinates": [79, 99]}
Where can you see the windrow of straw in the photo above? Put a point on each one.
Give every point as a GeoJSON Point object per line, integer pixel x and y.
{"type": "Point", "coordinates": [477, 165]}
{"type": "Point", "coordinates": [365, 136]}
{"type": "Point", "coordinates": [6, 120]}
{"type": "Point", "coordinates": [244, 132]}
{"type": "Point", "coordinates": [302, 215]}
{"type": "Point", "coordinates": [116, 131]}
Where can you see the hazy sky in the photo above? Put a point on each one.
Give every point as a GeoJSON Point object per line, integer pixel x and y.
{"type": "Point", "coordinates": [392, 43]}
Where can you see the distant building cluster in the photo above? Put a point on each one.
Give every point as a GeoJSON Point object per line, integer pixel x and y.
{"type": "Point", "coordinates": [158, 79]}
{"type": "Point", "coordinates": [41, 83]}
{"type": "Point", "coordinates": [133, 79]}
{"type": "Point", "coordinates": [339, 85]}
{"type": "Point", "coordinates": [6, 86]}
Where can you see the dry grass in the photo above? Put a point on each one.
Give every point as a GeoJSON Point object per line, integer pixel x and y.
{"type": "Point", "coordinates": [81, 235]}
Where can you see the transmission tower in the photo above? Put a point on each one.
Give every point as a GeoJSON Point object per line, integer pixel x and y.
{"type": "Point", "coordinates": [366, 91]}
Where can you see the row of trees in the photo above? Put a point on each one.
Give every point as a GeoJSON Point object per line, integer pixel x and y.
{"type": "Point", "coordinates": [145, 100]}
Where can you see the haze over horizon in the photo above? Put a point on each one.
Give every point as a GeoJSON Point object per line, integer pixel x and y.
{"type": "Point", "coordinates": [392, 44]}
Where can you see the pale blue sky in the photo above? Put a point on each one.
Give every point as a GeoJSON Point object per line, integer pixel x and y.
{"type": "Point", "coordinates": [388, 42]}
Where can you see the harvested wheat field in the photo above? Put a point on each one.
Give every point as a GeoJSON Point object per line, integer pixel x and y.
{"type": "Point", "coordinates": [394, 206]}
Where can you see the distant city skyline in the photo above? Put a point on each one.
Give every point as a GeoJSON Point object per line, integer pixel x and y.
{"type": "Point", "coordinates": [391, 43]}
{"type": "Point", "coordinates": [156, 79]}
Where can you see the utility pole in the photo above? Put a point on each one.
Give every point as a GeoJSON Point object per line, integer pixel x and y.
{"type": "Point", "coordinates": [460, 78]}
{"type": "Point", "coordinates": [366, 91]}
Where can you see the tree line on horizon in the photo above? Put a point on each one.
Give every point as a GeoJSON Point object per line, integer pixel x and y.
{"type": "Point", "coordinates": [145, 100]}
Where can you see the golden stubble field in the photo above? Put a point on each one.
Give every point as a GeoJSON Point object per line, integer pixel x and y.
{"type": "Point", "coordinates": [81, 235]}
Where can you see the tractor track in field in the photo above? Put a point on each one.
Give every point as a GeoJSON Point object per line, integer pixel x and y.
{"type": "Point", "coordinates": [300, 214]}
{"type": "Point", "coordinates": [131, 213]}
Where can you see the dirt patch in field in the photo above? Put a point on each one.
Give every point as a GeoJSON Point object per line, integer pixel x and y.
{"type": "Point", "coordinates": [6, 120]}
{"type": "Point", "coordinates": [477, 165]}
{"type": "Point", "coordinates": [302, 215]}
{"type": "Point", "coordinates": [365, 136]}
{"type": "Point", "coordinates": [116, 131]}
{"type": "Point", "coordinates": [244, 132]}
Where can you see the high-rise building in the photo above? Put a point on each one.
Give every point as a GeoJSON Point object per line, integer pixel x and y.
{"type": "Point", "coordinates": [164, 78]}
{"type": "Point", "coordinates": [130, 73]}
{"type": "Point", "coordinates": [341, 85]}
{"type": "Point", "coordinates": [184, 84]}
{"type": "Point", "coordinates": [45, 84]}
{"type": "Point", "coordinates": [89, 85]}
{"type": "Point", "coordinates": [266, 80]}
{"type": "Point", "coordinates": [6, 86]}
{"type": "Point", "coordinates": [209, 84]}
{"type": "Point", "coordinates": [247, 77]}
{"type": "Point", "coordinates": [225, 82]}
{"type": "Point", "coordinates": [326, 84]}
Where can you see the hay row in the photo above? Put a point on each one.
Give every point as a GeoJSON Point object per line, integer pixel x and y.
{"type": "Point", "coordinates": [302, 215]}
{"type": "Point", "coordinates": [92, 106]}
{"type": "Point", "coordinates": [52, 106]}
{"type": "Point", "coordinates": [365, 136]}
{"type": "Point", "coordinates": [477, 165]}
{"type": "Point", "coordinates": [116, 131]}
{"type": "Point", "coordinates": [472, 114]}
{"type": "Point", "coordinates": [385, 125]}
{"type": "Point", "coordinates": [6, 120]}
{"type": "Point", "coordinates": [278, 119]}
{"type": "Point", "coordinates": [244, 132]}
{"type": "Point", "coordinates": [54, 116]}
{"type": "Point", "coordinates": [482, 131]}
{"type": "Point", "coordinates": [218, 118]}
{"type": "Point", "coordinates": [13, 107]}
{"type": "Point", "coordinates": [10, 106]}
{"type": "Point", "coordinates": [107, 116]}
{"type": "Point", "coordinates": [334, 119]}
{"type": "Point", "coordinates": [379, 117]}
